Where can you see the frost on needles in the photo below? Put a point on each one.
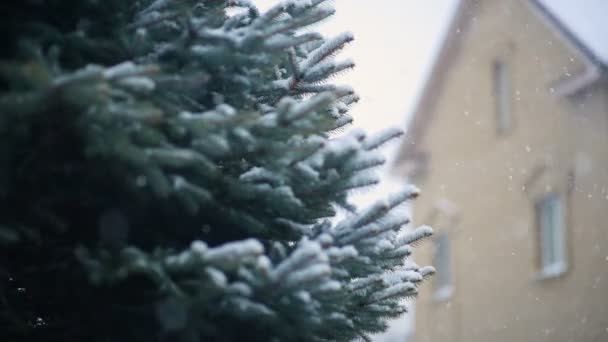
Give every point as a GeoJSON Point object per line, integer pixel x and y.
{"type": "Point", "coordinates": [169, 173]}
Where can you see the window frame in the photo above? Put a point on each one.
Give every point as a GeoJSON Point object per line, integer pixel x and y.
{"type": "Point", "coordinates": [502, 95]}
{"type": "Point", "coordinates": [443, 283]}
{"type": "Point", "coordinates": [552, 227]}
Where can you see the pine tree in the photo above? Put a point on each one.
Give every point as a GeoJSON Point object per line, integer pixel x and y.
{"type": "Point", "coordinates": [170, 172]}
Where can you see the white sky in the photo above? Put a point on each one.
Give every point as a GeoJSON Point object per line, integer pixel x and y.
{"type": "Point", "coordinates": [394, 44]}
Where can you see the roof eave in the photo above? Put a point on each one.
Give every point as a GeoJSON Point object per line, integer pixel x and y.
{"type": "Point", "coordinates": [571, 86]}
{"type": "Point", "coordinates": [594, 69]}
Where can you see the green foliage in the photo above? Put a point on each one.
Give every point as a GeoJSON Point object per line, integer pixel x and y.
{"type": "Point", "coordinates": [168, 172]}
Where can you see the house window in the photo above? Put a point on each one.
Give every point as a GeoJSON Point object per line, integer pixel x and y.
{"type": "Point", "coordinates": [551, 221]}
{"type": "Point", "coordinates": [502, 96]}
{"type": "Point", "coordinates": [443, 278]}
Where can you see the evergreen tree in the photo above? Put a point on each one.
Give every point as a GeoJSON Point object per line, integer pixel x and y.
{"type": "Point", "coordinates": [169, 172]}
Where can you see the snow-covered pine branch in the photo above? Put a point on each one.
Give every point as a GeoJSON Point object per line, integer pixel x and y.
{"type": "Point", "coordinates": [206, 126]}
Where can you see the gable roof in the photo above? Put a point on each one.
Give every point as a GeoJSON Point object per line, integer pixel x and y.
{"type": "Point", "coordinates": [578, 33]}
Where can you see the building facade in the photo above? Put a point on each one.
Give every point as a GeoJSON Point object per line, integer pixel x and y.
{"type": "Point", "coordinates": [509, 143]}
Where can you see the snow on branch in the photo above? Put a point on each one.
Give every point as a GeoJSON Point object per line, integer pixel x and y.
{"type": "Point", "coordinates": [260, 174]}
{"type": "Point", "coordinates": [307, 275]}
{"type": "Point", "coordinates": [297, 7]}
{"type": "Point", "coordinates": [307, 253]}
{"type": "Point", "coordinates": [382, 138]}
{"type": "Point", "coordinates": [401, 289]}
{"type": "Point", "coordinates": [231, 254]}
{"type": "Point", "coordinates": [364, 162]}
{"type": "Point", "coordinates": [315, 103]}
{"type": "Point", "coordinates": [380, 208]}
{"type": "Point", "coordinates": [427, 271]}
{"type": "Point", "coordinates": [360, 181]}
{"type": "Point", "coordinates": [417, 235]}
{"type": "Point", "coordinates": [373, 229]}
{"type": "Point", "coordinates": [327, 49]}
{"type": "Point", "coordinates": [326, 69]}
{"type": "Point", "coordinates": [241, 3]}
{"type": "Point", "coordinates": [267, 17]}
{"type": "Point", "coordinates": [313, 16]}
{"type": "Point", "coordinates": [280, 41]}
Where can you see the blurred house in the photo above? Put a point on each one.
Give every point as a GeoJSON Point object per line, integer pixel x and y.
{"type": "Point", "coordinates": [509, 142]}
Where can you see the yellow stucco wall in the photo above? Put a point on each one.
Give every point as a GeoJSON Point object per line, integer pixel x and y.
{"type": "Point", "coordinates": [556, 144]}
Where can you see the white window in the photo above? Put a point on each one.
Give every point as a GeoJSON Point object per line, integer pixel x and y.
{"type": "Point", "coordinates": [551, 221]}
{"type": "Point", "coordinates": [502, 96]}
{"type": "Point", "coordinates": [443, 278]}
